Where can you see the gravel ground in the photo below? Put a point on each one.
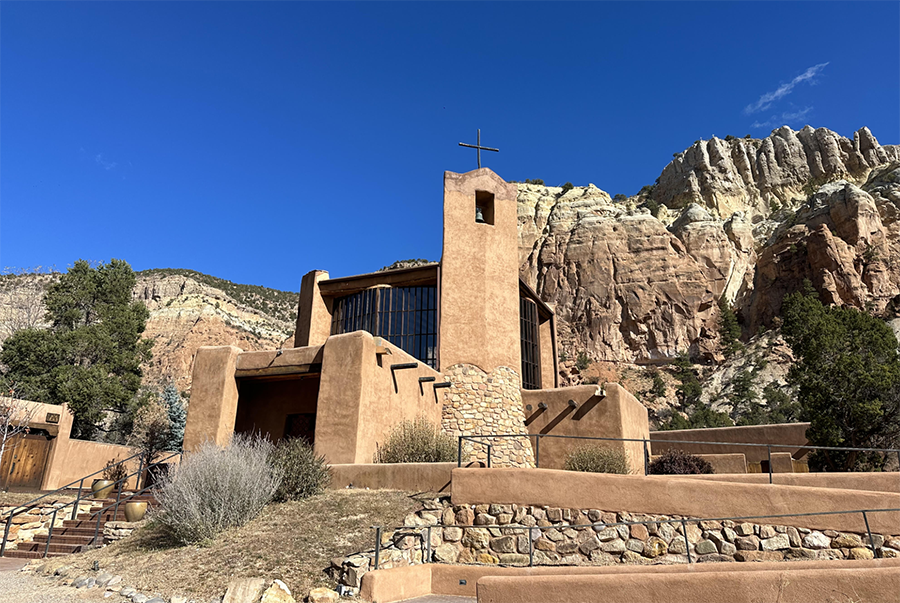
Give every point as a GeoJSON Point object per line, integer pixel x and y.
{"type": "Point", "coordinates": [19, 587]}
{"type": "Point", "coordinates": [22, 587]}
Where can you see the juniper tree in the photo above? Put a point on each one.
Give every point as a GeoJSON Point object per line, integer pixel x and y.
{"type": "Point", "coordinates": [90, 356]}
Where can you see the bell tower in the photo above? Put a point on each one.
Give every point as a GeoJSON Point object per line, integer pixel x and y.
{"type": "Point", "coordinates": [480, 347]}
{"type": "Point", "coordinates": [480, 272]}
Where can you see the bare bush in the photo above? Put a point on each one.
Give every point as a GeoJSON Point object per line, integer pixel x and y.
{"type": "Point", "coordinates": [678, 462]}
{"type": "Point", "coordinates": [215, 489]}
{"type": "Point", "coordinates": [418, 441]}
{"type": "Point", "coordinates": [303, 473]}
{"type": "Point", "coordinates": [597, 459]}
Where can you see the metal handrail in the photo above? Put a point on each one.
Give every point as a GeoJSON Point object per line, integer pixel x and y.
{"type": "Point", "coordinates": [426, 553]}
{"type": "Point", "coordinates": [647, 442]}
{"type": "Point", "coordinates": [80, 482]}
{"type": "Point", "coordinates": [117, 484]}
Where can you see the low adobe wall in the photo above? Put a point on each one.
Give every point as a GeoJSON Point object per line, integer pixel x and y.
{"type": "Point", "coordinates": [398, 584]}
{"type": "Point", "coordinates": [870, 482]}
{"type": "Point", "coordinates": [605, 412]}
{"type": "Point", "coordinates": [73, 459]}
{"type": "Point", "coordinates": [412, 477]}
{"type": "Point", "coordinates": [656, 494]}
{"type": "Point", "coordinates": [792, 435]}
{"type": "Point", "coordinates": [875, 583]}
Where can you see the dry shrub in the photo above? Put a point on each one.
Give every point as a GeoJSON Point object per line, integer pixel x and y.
{"type": "Point", "coordinates": [215, 489]}
{"type": "Point", "coordinates": [418, 441]}
{"type": "Point", "coordinates": [678, 462]}
{"type": "Point", "coordinates": [114, 472]}
{"type": "Point", "coordinates": [597, 459]}
{"type": "Point", "coordinates": [303, 473]}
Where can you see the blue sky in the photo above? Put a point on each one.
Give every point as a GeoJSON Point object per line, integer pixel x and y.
{"type": "Point", "coordinates": [258, 141]}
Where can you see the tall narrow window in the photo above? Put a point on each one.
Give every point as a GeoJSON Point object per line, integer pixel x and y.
{"type": "Point", "coordinates": [531, 349]}
{"type": "Point", "coordinates": [484, 207]}
{"type": "Point", "coordinates": [405, 316]}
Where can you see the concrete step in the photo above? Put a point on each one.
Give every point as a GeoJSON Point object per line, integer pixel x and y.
{"type": "Point", "coordinates": [54, 548]}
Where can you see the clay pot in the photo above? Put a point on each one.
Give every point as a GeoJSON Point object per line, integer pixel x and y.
{"type": "Point", "coordinates": [135, 510]}
{"type": "Point", "coordinates": [102, 488]}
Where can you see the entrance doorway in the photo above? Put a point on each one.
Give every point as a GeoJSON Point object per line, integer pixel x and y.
{"type": "Point", "coordinates": [23, 463]}
{"type": "Point", "coordinates": [278, 407]}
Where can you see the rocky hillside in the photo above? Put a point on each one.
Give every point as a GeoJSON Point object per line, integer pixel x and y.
{"type": "Point", "coordinates": [638, 281]}
{"type": "Point", "coordinates": [635, 281]}
{"type": "Point", "coordinates": [188, 309]}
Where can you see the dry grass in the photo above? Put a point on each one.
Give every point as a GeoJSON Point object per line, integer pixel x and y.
{"type": "Point", "coordinates": [292, 541]}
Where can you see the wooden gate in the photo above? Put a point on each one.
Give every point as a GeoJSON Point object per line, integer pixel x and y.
{"type": "Point", "coordinates": [23, 462]}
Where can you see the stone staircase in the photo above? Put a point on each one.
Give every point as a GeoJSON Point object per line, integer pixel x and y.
{"type": "Point", "coordinates": [75, 535]}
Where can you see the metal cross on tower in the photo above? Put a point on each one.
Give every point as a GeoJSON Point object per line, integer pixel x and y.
{"type": "Point", "coordinates": [478, 146]}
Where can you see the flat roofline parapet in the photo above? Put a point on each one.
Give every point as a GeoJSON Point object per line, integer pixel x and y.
{"type": "Point", "coordinates": [411, 277]}
{"type": "Point", "coordinates": [287, 361]}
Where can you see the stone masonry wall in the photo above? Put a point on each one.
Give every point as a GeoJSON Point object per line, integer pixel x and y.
{"type": "Point", "coordinates": [505, 534]}
{"type": "Point", "coordinates": [478, 404]}
{"type": "Point", "coordinates": [36, 521]}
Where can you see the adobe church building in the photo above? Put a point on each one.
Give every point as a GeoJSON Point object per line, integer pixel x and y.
{"type": "Point", "coordinates": [464, 342]}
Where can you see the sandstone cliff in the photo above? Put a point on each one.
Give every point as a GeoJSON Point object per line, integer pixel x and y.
{"type": "Point", "coordinates": [187, 310]}
{"type": "Point", "coordinates": [745, 219]}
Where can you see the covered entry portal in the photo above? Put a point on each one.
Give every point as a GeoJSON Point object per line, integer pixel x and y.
{"type": "Point", "coordinates": [279, 407]}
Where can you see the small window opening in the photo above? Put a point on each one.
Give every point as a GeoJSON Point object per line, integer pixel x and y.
{"type": "Point", "coordinates": [484, 207]}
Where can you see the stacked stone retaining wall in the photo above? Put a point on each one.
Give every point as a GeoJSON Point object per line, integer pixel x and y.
{"type": "Point", "coordinates": [36, 521]}
{"type": "Point", "coordinates": [506, 534]}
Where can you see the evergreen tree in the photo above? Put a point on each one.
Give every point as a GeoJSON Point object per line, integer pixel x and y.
{"type": "Point", "coordinates": [847, 376]}
{"type": "Point", "coordinates": [729, 329]}
{"type": "Point", "coordinates": [177, 417]}
{"type": "Point", "coordinates": [90, 356]}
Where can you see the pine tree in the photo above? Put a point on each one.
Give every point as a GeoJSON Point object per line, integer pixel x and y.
{"type": "Point", "coordinates": [177, 417]}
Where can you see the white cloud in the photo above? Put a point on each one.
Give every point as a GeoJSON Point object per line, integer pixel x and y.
{"type": "Point", "coordinates": [786, 118]}
{"type": "Point", "coordinates": [765, 101]}
{"type": "Point", "coordinates": [106, 165]}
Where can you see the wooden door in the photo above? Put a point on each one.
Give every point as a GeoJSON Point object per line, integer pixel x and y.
{"type": "Point", "coordinates": [23, 462]}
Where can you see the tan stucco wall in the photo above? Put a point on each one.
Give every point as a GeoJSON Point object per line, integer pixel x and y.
{"type": "Point", "coordinates": [358, 404]}
{"type": "Point", "coordinates": [397, 584]}
{"type": "Point", "coordinates": [873, 482]}
{"type": "Point", "coordinates": [76, 458]}
{"type": "Point", "coordinates": [872, 582]}
{"type": "Point", "coordinates": [412, 477]}
{"type": "Point", "coordinates": [479, 311]}
{"type": "Point", "coordinates": [313, 311]}
{"type": "Point", "coordinates": [214, 397]}
{"type": "Point", "coordinates": [792, 434]}
{"type": "Point", "coordinates": [617, 414]}
{"type": "Point", "coordinates": [69, 460]}
{"type": "Point", "coordinates": [673, 496]}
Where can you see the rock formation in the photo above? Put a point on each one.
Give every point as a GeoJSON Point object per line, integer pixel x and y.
{"type": "Point", "coordinates": [742, 218]}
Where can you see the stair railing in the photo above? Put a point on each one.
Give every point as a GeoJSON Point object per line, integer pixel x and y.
{"type": "Point", "coordinates": [118, 485]}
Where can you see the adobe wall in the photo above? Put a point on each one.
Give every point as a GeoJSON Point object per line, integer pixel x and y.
{"type": "Point", "coordinates": [76, 458]}
{"type": "Point", "coordinates": [479, 310]}
{"type": "Point", "coordinates": [478, 403]}
{"type": "Point", "coordinates": [397, 584]}
{"type": "Point", "coordinates": [608, 412]}
{"type": "Point", "coordinates": [69, 460]}
{"type": "Point", "coordinates": [873, 481]}
{"type": "Point", "coordinates": [214, 397]}
{"type": "Point", "coordinates": [313, 312]}
{"type": "Point", "coordinates": [790, 434]}
{"type": "Point", "coordinates": [361, 399]}
{"type": "Point", "coordinates": [877, 582]}
{"type": "Point", "coordinates": [657, 494]}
